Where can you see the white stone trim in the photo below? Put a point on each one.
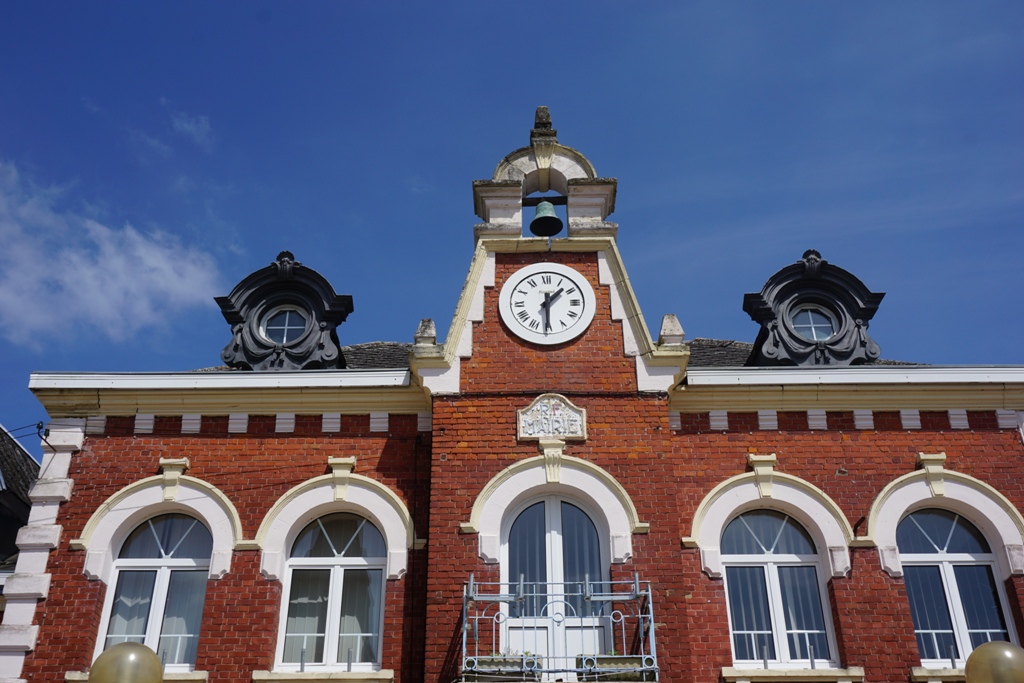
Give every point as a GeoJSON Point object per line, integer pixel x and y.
{"type": "Point", "coordinates": [1007, 419]}
{"type": "Point", "coordinates": [238, 423]}
{"type": "Point", "coordinates": [863, 419]}
{"type": "Point", "coordinates": [144, 424]}
{"type": "Point", "coordinates": [30, 581]}
{"type": "Point", "coordinates": [958, 419]}
{"type": "Point", "coordinates": [219, 380]}
{"type": "Point", "coordinates": [675, 420]}
{"type": "Point", "coordinates": [766, 488]}
{"type": "Point", "coordinates": [424, 422]}
{"type": "Point", "coordinates": [341, 491]}
{"type": "Point", "coordinates": [853, 674]}
{"type": "Point", "coordinates": [27, 586]}
{"type": "Point", "coordinates": [284, 423]}
{"type": "Point", "coordinates": [718, 420]}
{"type": "Point", "coordinates": [95, 424]}
{"type": "Point", "coordinates": [934, 486]}
{"type": "Point", "coordinates": [330, 423]}
{"type": "Point", "coordinates": [577, 478]}
{"type": "Point", "coordinates": [381, 676]}
{"type": "Point", "coordinates": [768, 420]}
{"type": "Point", "coordinates": [817, 420]}
{"type": "Point", "coordinates": [118, 516]}
{"type": "Point", "coordinates": [169, 676]}
{"type": "Point", "coordinates": [378, 422]}
{"type": "Point", "coordinates": [856, 374]}
{"type": "Point", "coordinates": [910, 419]}
{"type": "Point", "coordinates": [191, 423]}
{"type": "Point", "coordinates": [38, 537]}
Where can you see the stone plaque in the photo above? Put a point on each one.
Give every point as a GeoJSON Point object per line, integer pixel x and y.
{"type": "Point", "coordinates": [552, 416]}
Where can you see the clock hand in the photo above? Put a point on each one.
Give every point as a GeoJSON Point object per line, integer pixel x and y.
{"type": "Point", "coordinates": [550, 300]}
{"type": "Point", "coordinates": [547, 311]}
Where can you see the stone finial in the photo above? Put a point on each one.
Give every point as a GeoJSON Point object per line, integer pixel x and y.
{"type": "Point", "coordinates": [671, 331]}
{"type": "Point", "coordinates": [542, 125]}
{"type": "Point", "coordinates": [426, 333]}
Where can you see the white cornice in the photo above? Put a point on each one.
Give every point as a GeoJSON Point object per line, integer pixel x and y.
{"type": "Point", "coordinates": [889, 374]}
{"type": "Point", "coordinates": [219, 380]}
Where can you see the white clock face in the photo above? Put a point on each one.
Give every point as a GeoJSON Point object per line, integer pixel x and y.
{"type": "Point", "coordinates": [547, 303]}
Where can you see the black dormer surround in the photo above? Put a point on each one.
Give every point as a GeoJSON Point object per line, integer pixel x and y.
{"type": "Point", "coordinates": [284, 317]}
{"type": "Point", "coordinates": [813, 313]}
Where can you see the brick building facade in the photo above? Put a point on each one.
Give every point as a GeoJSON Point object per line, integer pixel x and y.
{"type": "Point", "coordinates": [509, 505]}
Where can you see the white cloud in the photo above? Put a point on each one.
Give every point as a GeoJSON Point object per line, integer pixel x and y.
{"type": "Point", "coordinates": [196, 128]}
{"type": "Point", "coordinates": [61, 272]}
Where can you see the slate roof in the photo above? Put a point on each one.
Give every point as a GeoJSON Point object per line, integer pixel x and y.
{"type": "Point", "coordinates": [17, 468]}
{"type": "Point", "coordinates": [378, 355]}
{"type": "Point", "coordinates": [704, 353]}
{"type": "Point", "coordinates": [725, 353]}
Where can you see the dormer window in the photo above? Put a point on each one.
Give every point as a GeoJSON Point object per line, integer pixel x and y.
{"type": "Point", "coordinates": [284, 317]}
{"type": "Point", "coordinates": [284, 325]}
{"type": "Point", "coordinates": [813, 323]}
{"type": "Point", "coordinates": [813, 313]}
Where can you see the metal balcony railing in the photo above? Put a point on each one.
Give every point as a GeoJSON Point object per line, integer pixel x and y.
{"type": "Point", "coordinates": [583, 631]}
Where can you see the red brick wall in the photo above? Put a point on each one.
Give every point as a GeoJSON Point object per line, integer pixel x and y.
{"type": "Point", "coordinates": [502, 362]}
{"type": "Point", "coordinates": [242, 609]}
{"type": "Point", "coordinates": [667, 474]}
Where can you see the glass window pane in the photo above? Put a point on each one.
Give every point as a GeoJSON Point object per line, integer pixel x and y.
{"type": "Point", "coordinates": [306, 627]}
{"type": "Point", "coordinates": [339, 535]}
{"type": "Point", "coordinates": [805, 621]}
{"type": "Point", "coordinates": [177, 536]}
{"type": "Point", "coordinates": [930, 612]}
{"type": "Point", "coordinates": [748, 609]}
{"type": "Point", "coordinates": [179, 635]}
{"type": "Point", "coordinates": [980, 602]}
{"type": "Point", "coordinates": [359, 632]}
{"type": "Point", "coordinates": [935, 530]}
{"type": "Point", "coordinates": [766, 531]}
{"type": "Point", "coordinates": [129, 614]}
{"type": "Point", "coordinates": [581, 558]}
{"type": "Point", "coordinates": [528, 557]}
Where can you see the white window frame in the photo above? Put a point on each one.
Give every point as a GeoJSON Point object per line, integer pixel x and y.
{"type": "Point", "coordinates": [553, 538]}
{"type": "Point", "coordinates": [337, 567]}
{"type": "Point", "coordinates": [158, 600]}
{"type": "Point", "coordinates": [770, 563]}
{"type": "Point", "coordinates": [305, 314]}
{"type": "Point", "coordinates": [946, 562]}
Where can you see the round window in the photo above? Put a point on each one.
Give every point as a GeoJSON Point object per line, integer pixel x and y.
{"type": "Point", "coordinates": [284, 325]}
{"type": "Point", "coordinates": [813, 323]}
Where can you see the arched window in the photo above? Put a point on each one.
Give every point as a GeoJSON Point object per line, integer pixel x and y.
{"type": "Point", "coordinates": [335, 598]}
{"type": "Point", "coordinates": [552, 548]}
{"type": "Point", "coordinates": [160, 585]}
{"type": "Point", "coordinates": [955, 600]}
{"type": "Point", "coordinates": [777, 603]}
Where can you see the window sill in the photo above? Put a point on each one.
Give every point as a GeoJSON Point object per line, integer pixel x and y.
{"type": "Point", "coordinates": [169, 677]}
{"type": "Point", "coordinates": [382, 676]}
{"type": "Point", "coordinates": [853, 674]}
{"type": "Point", "coordinates": [922, 674]}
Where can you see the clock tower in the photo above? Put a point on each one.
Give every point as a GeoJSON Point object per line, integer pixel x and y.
{"type": "Point", "coordinates": [554, 312]}
{"type": "Point", "coordinates": [550, 409]}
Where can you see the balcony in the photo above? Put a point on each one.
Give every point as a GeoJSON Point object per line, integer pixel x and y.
{"type": "Point", "coordinates": [583, 631]}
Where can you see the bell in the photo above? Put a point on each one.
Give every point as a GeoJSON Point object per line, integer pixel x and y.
{"type": "Point", "coordinates": [546, 223]}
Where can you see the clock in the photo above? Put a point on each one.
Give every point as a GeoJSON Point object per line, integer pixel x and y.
{"type": "Point", "coordinates": [547, 303]}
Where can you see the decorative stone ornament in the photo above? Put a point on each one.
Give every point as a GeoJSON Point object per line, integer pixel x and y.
{"type": "Point", "coordinates": [551, 416]}
{"type": "Point", "coordinates": [813, 313]}
{"type": "Point", "coordinates": [284, 317]}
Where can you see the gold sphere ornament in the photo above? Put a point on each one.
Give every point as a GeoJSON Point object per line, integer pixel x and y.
{"type": "Point", "coordinates": [127, 663]}
{"type": "Point", "coordinates": [995, 662]}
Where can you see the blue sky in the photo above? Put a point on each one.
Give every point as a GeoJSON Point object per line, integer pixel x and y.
{"type": "Point", "coordinates": [153, 154]}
